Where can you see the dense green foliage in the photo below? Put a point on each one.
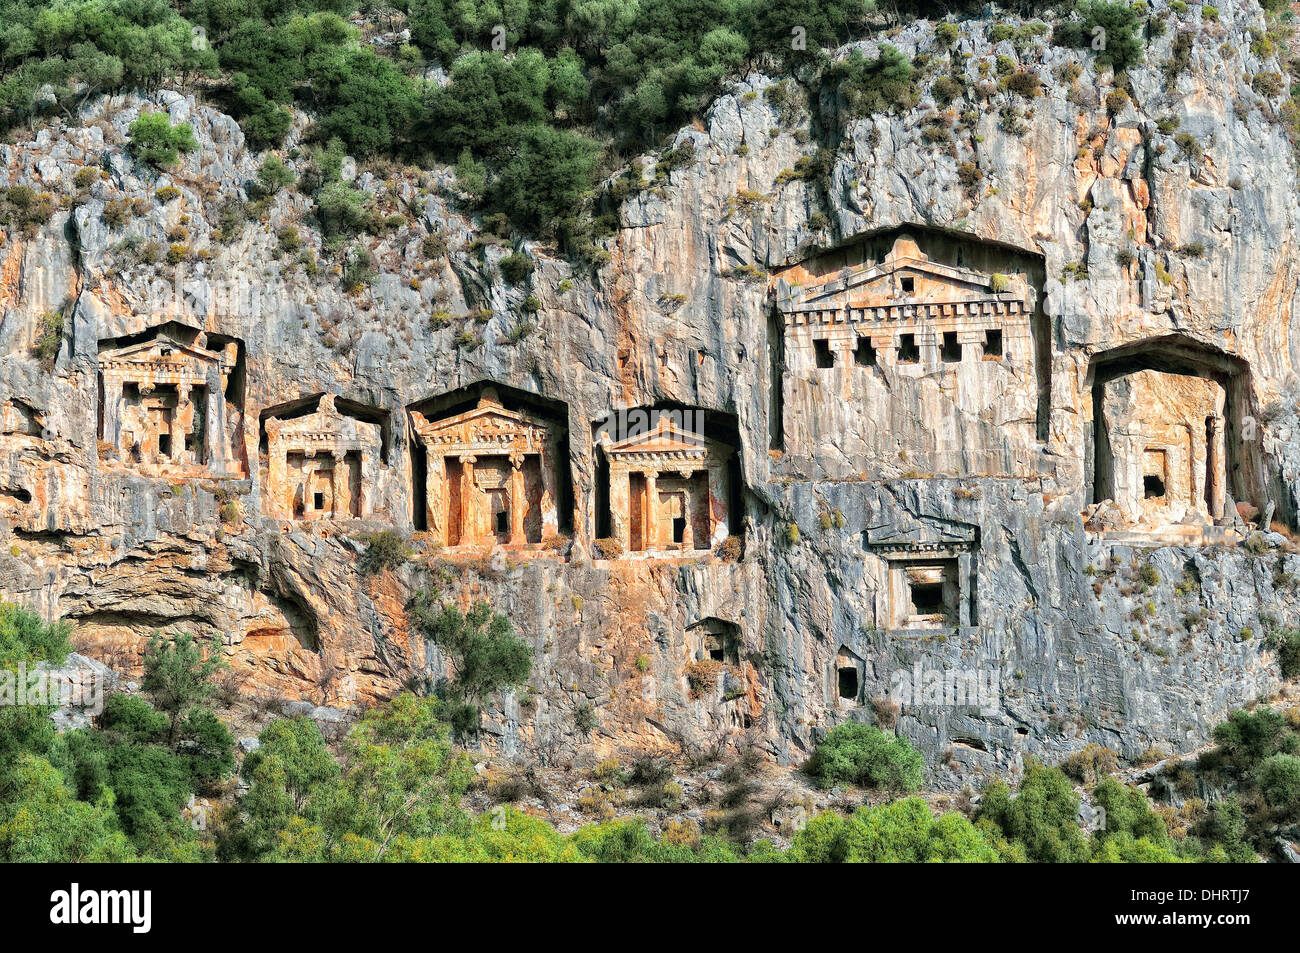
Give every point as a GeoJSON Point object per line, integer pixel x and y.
{"type": "Point", "coordinates": [864, 755]}
{"type": "Point", "coordinates": [902, 832]}
{"type": "Point", "coordinates": [155, 141]}
{"type": "Point", "coordinates": [394, 789]}
{"type": "Point", "coordinates": [117, 789]}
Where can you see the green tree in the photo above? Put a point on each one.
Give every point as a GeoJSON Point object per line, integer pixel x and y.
{"type": "Point", "coordinates": [284, 772]}
{"type": "Point", "coordinates": [1042, 817]}
{"type": "Point", "coordinates": [487, 654]}
{"type": "Point", "coordinates": [401, 782]}
{"type": "Point", "coordinates": [178, 675]}
{"type": "Point", "coordinates": [855, 753]}
{"type": "Point", "coordinates": [41, 821]}
{"type": "Point", "coordinates": [155, 141]}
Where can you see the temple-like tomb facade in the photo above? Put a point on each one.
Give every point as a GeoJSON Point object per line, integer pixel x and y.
{"type": "Point", "coordinates": [908, 352]}
{"type": "Point", "coordinates": [928, 574]}
{"type": "Point", "coordinates": [321, 465]}
{"type": "Point", "coordinates": [668, 488]}
{"type": "Point", "coordinates": [907, 310]}
{"type": "Point", "coordinates": [1162, 456]}
{"type": "Point", "coordinates": [164, 410]}
{"type": "Point", "coordinates": [491, 476]}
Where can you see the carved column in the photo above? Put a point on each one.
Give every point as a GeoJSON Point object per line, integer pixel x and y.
{"type": "Point", "coordinates": [342, 485]}
{"type": "Point", "coordinates": [649, 511]}
{"type": "Point", "coordinates": [717, 504]}
{"type": "Point", "coordinates": [550, 501]}
{"type": "Point", "coordinates": [215, 435]}
{"type": "Point", "coordinates": [516, 500]}
{"type": "Point", "coordinates": [435, 471]}
{"type": "Point", "coordinates": [113, 412]}
{"type": "Point", "coordinates": [620, 506]}
{"type": "Point", "coordinates": [468, 503]}
{"type": "Point", "coordinates": [689, 505]}
{"type": "Point", "coordinates": [1214, 456]}
{"type": "Point", "coordinates": [277, 476]}
{"type": "Point", "coordinates": [182, 421]}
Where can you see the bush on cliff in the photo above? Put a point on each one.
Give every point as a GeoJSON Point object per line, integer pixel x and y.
{"type": "Point", "coordinates": [865, 756]}
{"type": "Point", "coordinates": [156, 142]}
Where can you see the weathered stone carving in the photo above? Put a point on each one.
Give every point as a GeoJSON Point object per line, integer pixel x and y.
{"type": "Point", "coordinates": [164, 409]}
{"type": "Point", "coordinates": [490, 475]}
{"type": "Point", "coordinates": [668, 488]}
{"type": "Point", "coordinates": [1165, 443]}
{"type": "Point", "coordinates": [322, 465]}
{"type": "Point", "coordinates": [929, 568]}
{"type": "Point", "coordinates": [910, 352]}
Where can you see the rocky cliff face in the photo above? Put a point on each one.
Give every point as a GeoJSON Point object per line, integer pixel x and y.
{"type": "Point", "coordinates": [942, 543]}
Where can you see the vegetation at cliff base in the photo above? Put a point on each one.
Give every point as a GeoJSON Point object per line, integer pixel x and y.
{"type": "Point", "coordinates": [396, 787]}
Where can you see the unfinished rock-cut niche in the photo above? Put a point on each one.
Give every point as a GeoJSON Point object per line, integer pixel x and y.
{"type": "Point", "coordinates": [322, 459]}
{"type": "Point", "coordinates": [170, 403]}
{"type": "Point", "coordinates": [491, 467]}
{"type": "Point", "coordinates": [1167, 451]}
{"type": "Point", "coordinates": [717, 640]}
{"type": "Point", "coordinates": [848, 677]}
{"type": "Point", "coordinates": [928, 569]}
{"type": "Point", "coordinates": [914, 350]}
{"type": "Point", "coordinates": [667, 480]}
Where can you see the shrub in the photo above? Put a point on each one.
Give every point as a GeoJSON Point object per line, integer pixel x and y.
{"type": "Point", "coordinates": [902, 832]}
{"type": "Point", "coordinates": [22, 208]}
{"type": "Point", "coordinates": [584, 719]}
{"type": "Point", "coordinates": [1042, 817]}
{"type": "Point", "coordinates": [155, 141]}
{"type": "Point", "coordinates": [49, 338]}
{"type": "Point", "coordinates": [1247, 738]}
{"type": "Point", "coordinates": [516, 268]}
{"type": "Point", "coordinates": [1279, 781]}
{"type": "Point", "coordinates": [358, 270]}
{"type": "Point", "coordinates": [1122, 26]}
{"type": "Point", "coordinates": [274, 175]}
{"type": "Point", "coordinates": [385, 549]}
{"type": "Point", "coordinates": [1023, 82]}
{"type": "Point", "coordinates": [1091, 764]}
{"type": "Point", "coordinates": [873, 86]}
{"type": "Point", "coordinates": [1286, 643]}
{"type": "Point", "coordinates": [168, 193]}
{"type": "Point", "coordinates": [865, 756]}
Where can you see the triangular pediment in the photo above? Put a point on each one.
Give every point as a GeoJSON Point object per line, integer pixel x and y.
{"type": "Point", "coordinates": [959, 281]}
{"type": "Point", "coordinates": [162, 347]}
{"type": "Point", "coordinates": [666, 438]}
{"type": "Point", "coordinates": [485, 420]}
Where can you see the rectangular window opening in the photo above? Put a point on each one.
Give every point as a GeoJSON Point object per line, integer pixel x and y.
{"type": "Point", "coordinates": [950, 351]}
{"type": "Point", "coordinates": [822, 351]}
{"type": "Point", "coordinates": [908, 352]}
{"type": "Point", "coordinates": [993, 343]}
{"type": "Point", "coordinates": [864, 355]}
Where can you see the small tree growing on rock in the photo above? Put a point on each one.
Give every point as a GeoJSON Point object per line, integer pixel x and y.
{"type": "Point", "coordinates": [486, 654]}
{"type": "Point", "coordinates": [155, 141]}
